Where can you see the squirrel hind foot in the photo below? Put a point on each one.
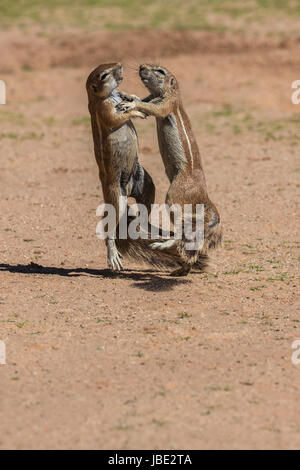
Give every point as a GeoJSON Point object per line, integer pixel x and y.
{"type": "Point", "coordinates": [183, 271]}
{"type": "Point", "coordinates": [162, 245]}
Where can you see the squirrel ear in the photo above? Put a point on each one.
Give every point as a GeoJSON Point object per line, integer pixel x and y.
{"type": "Point", "coordinates": [95, 88]}
{"type": "Point", "coordinates": [172, 81]}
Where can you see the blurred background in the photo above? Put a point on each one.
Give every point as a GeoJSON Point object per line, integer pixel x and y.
{"type": "Point", "coordinates": [258, 20]}
{"type": "Point", "coordinates": [270, 16]}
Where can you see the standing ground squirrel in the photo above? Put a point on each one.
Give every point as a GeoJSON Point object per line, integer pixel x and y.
{"type": "Point", "coordinates": [116, 147]}
{"type": "Point", "coordinates": [181, 157]}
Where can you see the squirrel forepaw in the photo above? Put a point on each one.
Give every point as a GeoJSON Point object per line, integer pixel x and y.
{"type": "Point", "coordinates": [139, 114]}
{"type": "Point", "coordinates": [126, 97]}
{"type": "Point", "coordinates": [125, 106]}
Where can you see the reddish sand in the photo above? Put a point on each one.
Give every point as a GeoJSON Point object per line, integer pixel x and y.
{"type": "Point", "coordinates": [141, 359]}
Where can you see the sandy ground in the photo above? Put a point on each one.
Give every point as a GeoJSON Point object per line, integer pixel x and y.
{"type": "Point", "coordinates": [141, 359]}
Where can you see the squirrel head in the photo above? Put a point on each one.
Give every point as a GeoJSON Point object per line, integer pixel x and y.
{"type": "Point", "coordinates": [104, 79]}
{"type": "Point", "coordinates": [158, 80]}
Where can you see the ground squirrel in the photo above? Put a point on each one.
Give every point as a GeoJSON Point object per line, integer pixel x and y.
{"type": "Point", "coordinates": [181, 157]}
{"type": "Point", "coordinates": [116, 147]}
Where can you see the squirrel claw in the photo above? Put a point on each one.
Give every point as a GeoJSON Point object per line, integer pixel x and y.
{"type": "Point", "coordinates": [114, 260]}
{"type": "Point", "coordinates": [125, 106]}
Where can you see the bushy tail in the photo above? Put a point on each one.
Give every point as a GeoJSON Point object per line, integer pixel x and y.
{"type": "Point", "coordinates": [141, 251]}
{"type": "Point", "coordinates": [174, 255]}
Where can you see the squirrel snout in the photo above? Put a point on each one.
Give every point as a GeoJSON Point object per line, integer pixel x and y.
{"type": "Point", "coordinates": [118, 68]}
{"type": "Point", "coordinates": [143, 67]}
{"type": "Point", "coordinates": [144, 71]}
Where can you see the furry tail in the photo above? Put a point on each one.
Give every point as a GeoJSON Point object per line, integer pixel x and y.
{"type": "Point", "coordinates": [172, 257]}
{"type": "Point", "coordinates": [140, 250]}
{"type": "Point", "coordinates": [172, 254]}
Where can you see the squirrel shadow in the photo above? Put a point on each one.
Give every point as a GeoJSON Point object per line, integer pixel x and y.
{"type": "Point", "coordinates": [148, 280]}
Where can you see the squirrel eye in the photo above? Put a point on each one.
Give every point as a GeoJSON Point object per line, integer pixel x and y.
{"type": "Point", "coordinates": [161, 71]}
{"type": "Point", "coordinates": [104, 76]}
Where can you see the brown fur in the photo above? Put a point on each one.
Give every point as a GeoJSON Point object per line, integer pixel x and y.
{"type": "Point", "coordinates": [181, 158]}
{"type": "Point", "coordinates": [116, 147]}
